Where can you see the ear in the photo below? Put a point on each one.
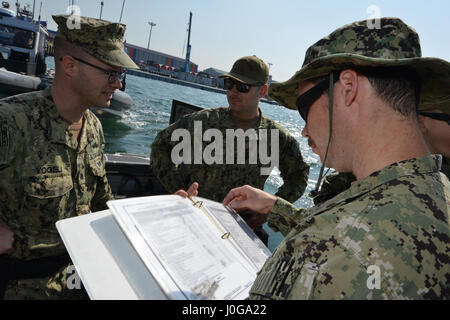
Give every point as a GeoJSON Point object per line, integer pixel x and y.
{"type": "Point", "coordinates": [349, 81]}
{"type": "Point", "coordinates": [68, 65]}
{"type": "Point", "coordinates": [263, 91]}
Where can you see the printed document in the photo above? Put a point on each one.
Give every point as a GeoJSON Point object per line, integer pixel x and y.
{"type": "Point", "coordinates": [195, 248]}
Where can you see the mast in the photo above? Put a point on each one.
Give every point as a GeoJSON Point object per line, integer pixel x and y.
{"type": "Point", "coordinates": [188, 50]}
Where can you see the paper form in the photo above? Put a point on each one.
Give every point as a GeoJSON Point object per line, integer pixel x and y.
{"type": "Point", "coordinates": [252, 246]}
{"type": "Point", "coordinates": [183, 248]}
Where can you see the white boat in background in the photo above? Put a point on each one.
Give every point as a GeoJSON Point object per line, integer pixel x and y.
{"type": "Point", "coordinates": [22, 51]}
{"type": "Point", "coordinates": [13, 81]}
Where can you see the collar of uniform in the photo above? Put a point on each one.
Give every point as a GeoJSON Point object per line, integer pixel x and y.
{"type": "Point", "coordinates": [86, 133]}
{"type": "Point", "coordinates": [59, 128]}
{"type": "Point", "coordinates": [427, 164]}
{"type": "Point", "coordinates": [232, 124]}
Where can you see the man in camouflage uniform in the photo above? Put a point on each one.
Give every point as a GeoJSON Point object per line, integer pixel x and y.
{"type": "Point", "coordinates": [435, 126]}
{"type": "Point", "coordinates": [52, 165]}
{"type": "Point", "coordinates": [387, 236]}
{"type": "Point", "coordinates": [215, 179]}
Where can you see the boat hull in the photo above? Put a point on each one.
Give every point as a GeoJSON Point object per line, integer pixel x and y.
{"type": "Point", "coordinates": [12, 83]}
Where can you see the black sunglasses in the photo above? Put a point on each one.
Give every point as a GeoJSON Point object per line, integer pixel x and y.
{"type": "Point", "coordinates": [113, 75]}
{"type": "Point", "coordinates": [241, 87]}
{"type": "Point", "coordinates": [305, 101]}
{"type": "Point", "coordinates": [437, 116]}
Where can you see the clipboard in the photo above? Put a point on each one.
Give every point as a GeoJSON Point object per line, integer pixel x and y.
{"type": "Point", "coordinates": [111, 266]}
{"type": "Point", "coordinates": [104, 259]}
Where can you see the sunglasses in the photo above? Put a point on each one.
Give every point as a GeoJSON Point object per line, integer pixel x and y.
{"type": "Point", "coordinates": [437, 116]}
{"type": "Point", "coordinates": [305, 101]}
{"type": "Point", "coordinates": [113, 75]}
{"type": "Point", "coordinates": [241, 87]}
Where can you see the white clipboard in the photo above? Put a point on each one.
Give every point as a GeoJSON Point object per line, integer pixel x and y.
{"type": "Point", "coordinates": [105, 261]}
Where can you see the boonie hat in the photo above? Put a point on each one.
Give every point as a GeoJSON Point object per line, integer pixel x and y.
{"type": "Point", "coordinates": [394, 44]}
{"type": "Point", "coordinates": [100, 38]}
{"type": "Point", "coordinates": [249, 70]}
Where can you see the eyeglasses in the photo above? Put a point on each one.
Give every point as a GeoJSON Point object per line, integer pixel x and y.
{"type": "Point", "coordinates": [305, 101]}
{"type": "Point", "coordinates": [113, 75]}
{"type": "Point", "coordinates": [241, 87]}
{"type": "Point", "coordinates": [437, 116]}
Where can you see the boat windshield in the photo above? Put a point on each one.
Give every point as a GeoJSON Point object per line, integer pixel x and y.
{"type": "Point", "coordinates": [11, 36]}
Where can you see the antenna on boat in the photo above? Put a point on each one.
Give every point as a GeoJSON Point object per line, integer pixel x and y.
{"type": "Point", "coordinates": [34, 4]}
{"type": "Point", "coordinates": [40, 8]}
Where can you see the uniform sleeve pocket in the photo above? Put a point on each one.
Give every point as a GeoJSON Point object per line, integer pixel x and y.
{"type": "Point", "coordinates": [286, 279]}
{"type": "Point", "coordinates": [303, 286]}
{"type": "Point", "coordinates": [97, 165]}
{"type": "Point", "coordinates": [44, 187]}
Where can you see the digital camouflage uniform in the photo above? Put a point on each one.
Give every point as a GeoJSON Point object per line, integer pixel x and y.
{"type": "Point", "coordinates": [395, 221]}
{"type": "Point", "coordinates": [215, 180]}
{"type": "Point", "coordinates": [332, 185]}
{"type": "Point", "coordinates": [46, 173]}
{"type": "Point", "coordinates": [337, 182]}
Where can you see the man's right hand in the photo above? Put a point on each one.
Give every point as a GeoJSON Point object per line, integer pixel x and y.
{"type": "Point", "coordinates": [6, 238]}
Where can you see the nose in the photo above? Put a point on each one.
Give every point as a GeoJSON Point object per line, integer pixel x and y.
{"type": "Point", "coordinates": [117, 84]}
{"type": "Point", "coordinates": [305, 131]}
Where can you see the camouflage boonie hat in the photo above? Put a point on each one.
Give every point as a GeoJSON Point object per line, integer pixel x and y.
{"type": "Point", "coordinates": [250, 70]}
{"type": "Point", "coordinates": [100, 38]}
{"type": "Point", "coordinates": [355, 45]}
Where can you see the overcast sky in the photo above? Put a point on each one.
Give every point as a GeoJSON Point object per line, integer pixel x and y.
{"type": "Point", "coordinates": [277, 31]}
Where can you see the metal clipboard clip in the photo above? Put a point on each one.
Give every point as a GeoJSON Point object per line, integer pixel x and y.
{"type": "Point", "coordinates": [199, 204]}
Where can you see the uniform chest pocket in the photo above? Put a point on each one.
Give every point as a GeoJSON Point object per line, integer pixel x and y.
{"type": "Point", "coordinates": [45, 187]}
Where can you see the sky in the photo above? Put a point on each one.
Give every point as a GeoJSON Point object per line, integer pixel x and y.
{"type": "Point", "coordinates": [277, 31]}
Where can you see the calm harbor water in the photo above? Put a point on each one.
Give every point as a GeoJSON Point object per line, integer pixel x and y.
{"type": "Point", "coordinates": [135, 131]}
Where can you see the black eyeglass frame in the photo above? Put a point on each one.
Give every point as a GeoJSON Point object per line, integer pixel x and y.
{"type": "Point", "coordinates": [437, 116]}
{"type": "Point", "coordinates": [229, 83]}
{"type": "Point", "coordinates": [113, 75]}
{"type": "Point", "coordinates": [305, 100]}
